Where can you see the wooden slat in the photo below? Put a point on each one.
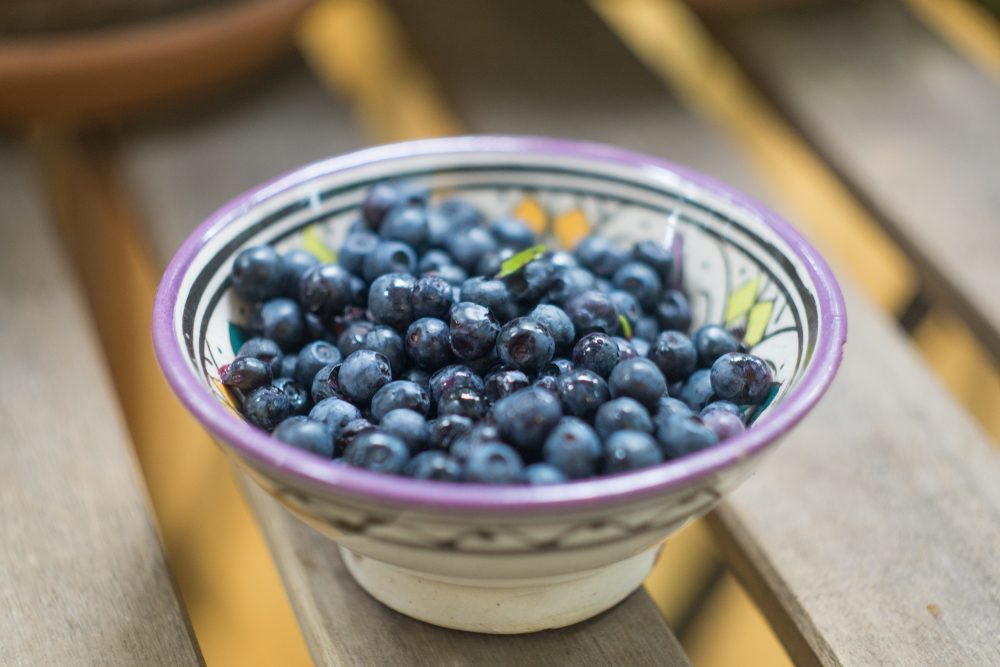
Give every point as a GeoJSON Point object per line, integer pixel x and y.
{"type": "Point", "coordinates": [883, 508]}
{"type": "Point", "coordinates": [908, 124]}
{"type": "Point", "coordinates": [84, 579]}
{"type": "Point", "coordinates": [341, 623]}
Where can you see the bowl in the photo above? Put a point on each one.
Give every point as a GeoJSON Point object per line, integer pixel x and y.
{"type": "Point", "coordinates": [511, 559]}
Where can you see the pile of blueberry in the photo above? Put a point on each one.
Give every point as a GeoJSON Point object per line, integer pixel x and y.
{"type": "Point", "coordinates": [445, 346]}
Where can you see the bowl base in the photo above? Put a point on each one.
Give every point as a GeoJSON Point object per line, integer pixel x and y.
{"type": "Point", "coordinates": [500, 606]}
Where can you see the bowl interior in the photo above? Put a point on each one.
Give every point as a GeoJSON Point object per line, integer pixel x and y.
{"type": "Point", "coordinates": [741, 267]}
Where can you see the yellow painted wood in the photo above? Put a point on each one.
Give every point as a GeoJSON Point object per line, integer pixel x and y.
{"type": "Point", "coordinates": [686, 565]}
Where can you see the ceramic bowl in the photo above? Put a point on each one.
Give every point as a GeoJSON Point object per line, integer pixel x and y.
{"type": "Point", "coordinates": [510, 559]}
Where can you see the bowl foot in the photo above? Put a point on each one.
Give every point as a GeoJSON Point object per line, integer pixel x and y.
{"type": "Point", "coordinates": [500, 606]}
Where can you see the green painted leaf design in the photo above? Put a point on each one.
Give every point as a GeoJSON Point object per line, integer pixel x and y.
{"type": "Point", "coordinates": [626, 327]}
{"type": "Point", "coordinates": [518, 261]}
{"type": "Point", "coordinates": [313, 244]}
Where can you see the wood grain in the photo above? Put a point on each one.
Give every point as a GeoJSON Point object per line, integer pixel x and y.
{"type": "Point", "coordinates": [908, 124]}
{"type": "Point", "coordinates": [84, 578]}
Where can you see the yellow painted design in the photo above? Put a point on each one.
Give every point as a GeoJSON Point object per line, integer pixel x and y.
{"type": "Point", "coordinates": [741, 300]}
{"type": "Point", "coordinates": [313, 244]}
{"type": "Point", "coordinates": [224, 392]}
{"type": "Point", "coordinates": [757, 321]}
{"type": "Point", "coordinates": [570, 227]}
{"type": "Point", "coordinates": [531, 212]}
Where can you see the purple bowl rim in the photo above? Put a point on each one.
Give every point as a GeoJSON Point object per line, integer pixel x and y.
{"type": "Point", "coordinates": [310, 471]}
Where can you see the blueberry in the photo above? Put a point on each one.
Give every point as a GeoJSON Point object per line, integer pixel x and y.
{"type": "Point", "coordinates": [582, 392]}
{"type": "Point", "coordinates": [264, 349]}
{"type": "Point", "coordinates": [525, 344]}
{"type": "Point", "coordinates": [246, 373]}
{"type": "Point", "coordinates": [725, 406]}
{"type": "Point", "coordinates": [490, 293]}
{"type": "Point", "coordinates": [557, 323]}
{"type": "Point", "coordinates": [408, 426]}
{"type": "Point", "coordinates": [712, 341]}
{"type": "Point", "coordinates": [723, 423]}
{"type": "Point", "coordinates": [296, 393]}
{"type": "Point", "coordinates": [741, 378]}
{"type": "Point", "coordinates": [283, 323]}
{"type": "Point", "coordinates": [493, 463]}
{"type": "Point", "coordinates": [526, 417]}
{"type": "Point", "coordinates": [376, 451]}
{"type": "Point", "coordinates": [352, 338]}
{"type": "Point", "coordinates": [289, 363]}
{"type": "Point", "coordinates": [641, 346]}
{"type": "Point", "coordinates": [304, 433]}
{"type": "Point", "coordinates": [628, 306]}
{"type": "Point", "coordinates": [562, 259]}
{"type": "Point", "coordinates": [639, 280]}
{"type": "Point", "coordinates": [433, 260]}
{"type": "Point", "coordinates": [350, 431]}
{"type": "Point", "coordinates": [596, 352]}
{"type": "Point", "coordinates": [672, 406]}
{"type": "Point", "coordinates": [656, 255]}
{"type": "Point", "coordinates": [593, 311]}
{"type": "Point", "coordinates": [600, 255]}
{"type": "Point", "coordinates": [294, 265]}
{"type": "Point", "coordinates": [400, 394]}
{"type": "Point", "coordinates": [468, 245]}
{"type": "Point", "coordinates": [639, 379]}
{"type": "Point", "coordinates": [406, 224]}
{"type": "Point", "coordinates": [387, 342]}
{"type": "Point", "coordinates": [455, 276]}
{"type": "Point", "coordinates": [503, 383]}
{"type": "Point", "coordinates": [315, 329]}
{"type": "Point", "coordinates": [622, 414]}
{"type": "Point", "coordinates": [630, 450]}
{"type": "Point", "coordinates": [674, 354]}
{"type": "Point", "coordinates": [466, 401]}
{"type": "Point", "coordinates": [532, 281]}
{"type": "Point", "coordinates": [355, 248]}
{"type": "Point", "coordinates": [673, 311]}
{"type": "Point", "coordinates": [388, 257]}
{"type": "Point", "coordinates": [362, 374]}
{"type": "Point", "coordinates": [446, 429]}
{"type": "Point", "coordinates": [479, 435]}
{"type": "Point", "coordinates": [325, 290]}
{"type": "Point", "coordinates": [647, 327]}
{"type": "Point", "coordinates": [432, 297]}
{"type": "Point", "coordinates": [680, 435]}
{"type": "Point", "coordinates": [451, 377]}
{"type": "Point", "coordinates": [312, 357]}
{"type": "Point", "coordinates": [697, 391]}
{"type": "Point", "coordinates": [266, 407]}
{"type": "Point", "coordinates": [538, 474]}
{"type": "Point", "coordinates": [427, 343]}
{"type": "Point", "coordinates": [513, 233]}
{"type": "Point", "coordinates": [326, 383]}
{"type": "Point", "coordinates": [626, 350]}
{"type": "Point", "coordinates": [257, 274]}
{"type": "Point", "coordinates": [473, 330]}
{"type": "Point", "coordinates": [573, 448]}
{"type": "Point", "coordinates": [433, 465]}
{"type": "Point", "coordinates": [491, 263]}
{"type": "Point", "coordinates": [450, 216]}
{"type": "Point", "coordinates": [549, 383]}
{"type": "Point", "coordinates": [418, 376]}
{"type": "Point", "coordinates": [558, 367]}
{"type": "Point", "coordinates": [335, 413]}
{"type": "Point", "coordinates": [383, 197]}
{"type": "Point", "coordinates": [569, 282]}
{"type": "Point", "coordinates": [484, 365]}
{"type": "Point", "coordinates": [390, 299]}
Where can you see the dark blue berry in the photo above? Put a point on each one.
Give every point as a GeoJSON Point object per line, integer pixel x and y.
{"type": "Point", "coordinates": [296, 393]}
{"type": "Point", "coordinates": [326, 383]}
{"type": "Point", "coordinates": [639, 280]}
{"type": "Point", "coordinates": [540, 474]}
{"type": "Point", "coordinates": [400, 394]}
{"type": "Point", "coordinates": [427, 343]}
{"type": "Point", "coordinates": [513, 233]}
{"type": "Point", "coordinates": [656, 255]}
{"type": "Point", "coordinates": [352, 338]}
{"type": "Point", "coordinates": [630, 450]}
{"type": "Point", "coordinates": [600, 255]}
{"type": "Point", "coordinates": [672, 406]}
{"type": "Point", "coordinates": [680, 435]}
{"type": "Point", "coordinates": [526, 417]}
{"type": "Point", "coordinates": [335, 413]}
{"type": "Point", "coordinates": [568, 283]}
{"type": "Point", "coordinates": [647, 327]}
{"type": "Point", "coordinates": [628, 306]}
{"type": "Point", "coordinates": [622, 414]}
{"type": "Point", "coordinates": [626, 350]}
{"type": "Point", "coordinates": [362, 374]}
{"type": "Point", "coordinates": [289, 363]}
{"type": "Point", "coordinates": [258, 274]}
{"type": "Point", "coordinates": [446, 429]}
{"type": "Point", "coordinates": [387, 342]}
{"type": "Point", "coordinates": [377, 451]}
{"type": "Point", "coordinates": [390, 299]}
{"type": "Point", "coordinates": [354, 249]}
{"type": "Point", "coordinates": [326, 290]}
{"type": "Point", "coordinates": [503, 383]}
{"type": "Point", "coordinates": [473, 330]}
{"type": "Point", "coordinates": [433, 465]}
{"type": "Point", "coordinates": [455, 276]}
{"type": "Point", "coordinates": [674, 354]}
{"type": "Point", "coordinates": [593, 311]}
{"type": "Point", "coordinates": [384, 197]}
{"type": "Point", "coordinates": [641, 346]}
{"type": "Point", "coordinates": [246, 373]}
{"type": "Point", "coordinates": [408, 426]}
{"type": "Point", "coordinates": [266, 350]}
{"type": "Point", "coordinates": [283, 323]}
{"type": "Point", "coordinates": [639, 379]}
{"type": "Point", "coordinates": [548, 383]}
{"type": "Point", "coordinates": [490, 293]}
{"type": "Point", "coordinates": [451, 377]}
{"type": "Point", "coordinates": [596, 352]}
{"type": "Point", "coordinates": [493, 463]}
{"type": "Point", "coordinates": [350, 431]}
{"type": "Point", "coordinates": [525, 344]}
{"type": "Point", "coordinates": [418, 376]}
{"type": "Point", "coordinates": [312, 357]}
{"type": "Point", "coordinates": [725, 406]}
{"type": "Point", "coordinates": [406, 224]}
{"type": "Point", "coordinates": [432, 297]}
{"type": "Point", "coordinates": [479, 435]}
{"type": "Point", "coordinates": [697, 391]}
{"type": "Point", "coordinates": [712, 341]}
{"type": "Point", "coordinates": [674, 311]}
{"type": "Point", "coordinates": [266, 407]}
{"type": "Point", "coordinates": [491, 263]}
{"type": "Point", "coordinates": [532, 281]}
{"type": "Point", "coordinates": [581, 392]}
{"type": "Point", "coordinates": [468, 245]}
{"type": "Point", "coordinates": [294, 265]}
{"type": "Point", "coordinates": [304, 433]}
{"type": "Point", "coordinates": [723, 423]}
{"type": "Point", "coordinates": [484, 365]}
{"type": "Point", "coordinates": [557, 323]}
{"type": "Point", "coordinates": [433, 260]}
{"type": "Point", "coordinates": [741, 378]}
{"type": "Point", "coordinates": [389, 257]}
{"type": "Point", "coordinates": [574, 448]}
{"type": "Point", "coordinates": [449, 217]}
{"type": "Point", "coordinates": [466, 401]}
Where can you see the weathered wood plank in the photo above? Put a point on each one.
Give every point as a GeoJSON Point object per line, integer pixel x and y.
{"type": "Point", "coordinates": [84, 580]}
{"type": "Point", "coordinates": [341, 623]}
{"type": "Point", "coordinates": [908, 124]}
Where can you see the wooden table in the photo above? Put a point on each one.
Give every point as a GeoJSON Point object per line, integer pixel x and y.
{"type": "Point", "coordinates": [871, 537]}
